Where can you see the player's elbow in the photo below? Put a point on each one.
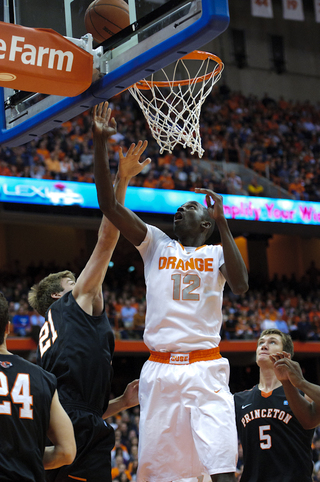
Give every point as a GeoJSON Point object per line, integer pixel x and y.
{"type": "Point", "coordinates": [71, 455]}
{"type": "Point", "coordinates": [313, 419]}
{"type": "Point", "coordinates": [310, 424]}
{"type": "Point", "coordinates": [240, 288]}
{"type": "Point", "coordinates": [68, 453]}
{"type": "Point", "coordinates": [107, 207]}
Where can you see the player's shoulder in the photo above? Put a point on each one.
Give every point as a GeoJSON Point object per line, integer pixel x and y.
{"type": "Point", "coordinates": [242, 397]}
{"type": "Point", "coordinates": [61, 303]}
{"type": "Point", "coordinates": [213, 248]}
{"type": "Point", "coordinates": [22, 365]}
{"type": "Point", "coordinates": [156, 235]}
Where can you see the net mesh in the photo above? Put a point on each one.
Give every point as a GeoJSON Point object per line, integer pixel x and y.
{"type": "Point", "coordinates": [172, 107]}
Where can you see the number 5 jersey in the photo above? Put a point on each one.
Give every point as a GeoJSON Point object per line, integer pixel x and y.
{"type": "Point", "coordinates": [276, 448]}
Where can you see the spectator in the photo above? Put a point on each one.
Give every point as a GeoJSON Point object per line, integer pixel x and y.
{"type": "Point", "coordinates": [150, 181]}
{"type": "Point", "coordinates": [281, 324]}
{"type": "Point", "coordinates": [165, 180]}
{"type": "Point", "coordinates": [52, 163]}
{"type": "Point", "coordinates": [139, 321]}
{"type": "Point", "coordinates": [36, 322]}
{"type": "Point", "coordinates": [267, 324]}
{"type": "Point", "coordinates": [127, 313]}
{"type": "Point", "coordinates": [254, 188]}
{"type": "Point", "coordinates": [234, 184]}
{"type": "Point", "coordinates": [21, 322]}
{"type": "Point", "coordinates": [296, 188]}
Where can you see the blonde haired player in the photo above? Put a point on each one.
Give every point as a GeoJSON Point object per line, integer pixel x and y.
{"type": "Point", "coordinates": [187, 422]}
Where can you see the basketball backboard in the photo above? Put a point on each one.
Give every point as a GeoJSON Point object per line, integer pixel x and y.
{"type": "Point", "coordinates": [160, 32]}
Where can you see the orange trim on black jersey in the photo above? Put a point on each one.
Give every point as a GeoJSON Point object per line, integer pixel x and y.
{"type": "Point", "coordinates": [77, 478]}
{"type": "Point", "coordinates": [266, 394]}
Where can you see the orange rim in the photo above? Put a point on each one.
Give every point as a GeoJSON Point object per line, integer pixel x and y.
{"type": "Point", "coordinates": [195, 55]}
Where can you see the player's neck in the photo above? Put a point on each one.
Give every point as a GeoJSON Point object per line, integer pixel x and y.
{"type": "Point", "coordinates": [268, 381]}
{"type": "Point", "coordinates": [4, 351]}
{"type": "Point", "coordinates": [3, 347]}
{"type": "Point", "coordinates": [191, 240]}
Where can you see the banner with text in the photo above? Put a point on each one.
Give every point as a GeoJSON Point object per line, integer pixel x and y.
{"type": "Point", "coordinates": [157, 201]}
{"type": "Point", "coordinates": [41, 60]}
{"type": "Point", "coordinates": [292, 9]}
{"type": "Point", "coordinates": [262, 8]}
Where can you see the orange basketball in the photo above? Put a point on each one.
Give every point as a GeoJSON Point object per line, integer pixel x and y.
{"type": "Point", "coordinates": [104, 18]}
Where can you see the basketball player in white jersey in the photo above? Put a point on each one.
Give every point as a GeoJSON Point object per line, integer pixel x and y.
{"type": "Point", "coordinates": [187, 422]}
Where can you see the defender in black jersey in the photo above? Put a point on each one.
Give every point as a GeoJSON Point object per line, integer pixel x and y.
{"type": "Point", "coordinates": [276, 447]}
{"type": "Point", "coordinates": [29, 411]}
{"type": "Point", "coordinates": [76, 342]}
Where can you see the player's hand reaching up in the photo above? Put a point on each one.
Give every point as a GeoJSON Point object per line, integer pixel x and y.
{"type": "Point", "coordinates": [214, 203]}
{"type": "Point", "coordinates": [129, 164]}
{"type": "Point", "coordinates": [102, 125]}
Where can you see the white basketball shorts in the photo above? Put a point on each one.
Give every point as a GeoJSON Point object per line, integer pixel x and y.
{"type": "Point", "coordinates": [187, 421]}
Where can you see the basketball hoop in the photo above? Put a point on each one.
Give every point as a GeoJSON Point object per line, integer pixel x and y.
{"type": "Point", "coordinates": [172, 107]}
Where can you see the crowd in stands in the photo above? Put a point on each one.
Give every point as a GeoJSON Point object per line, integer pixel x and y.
{"type": "Point", "coordinates": [124, 456]}
{"type": "Point", "coordinates": [277, 139]}
{"type": "Point", "coordinates": [291, 305]}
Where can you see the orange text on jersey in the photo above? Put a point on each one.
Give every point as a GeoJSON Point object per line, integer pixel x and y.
{"type": "Point", "coordinates": [199, 264]}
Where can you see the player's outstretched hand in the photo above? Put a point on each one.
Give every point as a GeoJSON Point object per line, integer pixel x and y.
{"type": "Point", "coordinates": [214, 203]}
{"type": "Point", "coordinates": [129, 164]}
{"type": "Point", "coordinates": [102, 125]}
{"type": "Point", "coordinates": [130, 395]}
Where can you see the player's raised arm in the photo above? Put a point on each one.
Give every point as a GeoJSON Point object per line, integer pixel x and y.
{"type": "Point", "coordinates": [234, 268]}
{"type": "Point", "coordinates": [130, 225]}
{"type": "Point", "coordinates": [306, 409]}
{"type": "Point", "coordinates": [87, 290]}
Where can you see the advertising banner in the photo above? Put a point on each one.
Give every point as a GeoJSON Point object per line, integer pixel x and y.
{"type": "Point", "coordinates": [41, 60]}
{"type": "Point", "coordinates": [157, 201]}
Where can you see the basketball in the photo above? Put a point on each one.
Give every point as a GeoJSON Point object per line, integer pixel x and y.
{"type": "Point", "coordinates": [104, 18]}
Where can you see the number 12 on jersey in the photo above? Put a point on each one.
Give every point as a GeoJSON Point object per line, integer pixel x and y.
{"type": "Point", "coordinates": [192, 281]}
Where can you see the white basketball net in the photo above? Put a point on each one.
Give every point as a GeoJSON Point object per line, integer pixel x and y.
{"type": "Point", "coordinates": [172, 107]}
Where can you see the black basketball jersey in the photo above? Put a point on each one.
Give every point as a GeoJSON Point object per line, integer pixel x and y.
{"type": "Point", "coordinates": [77, 348]}
{"type": "Point", "coordinates": [276, 448]}
{"type": "Point", "coordinates": [26, 392]}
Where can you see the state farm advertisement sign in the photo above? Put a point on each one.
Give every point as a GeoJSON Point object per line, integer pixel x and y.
{"type": "Point", "coordinates": [42, 60]}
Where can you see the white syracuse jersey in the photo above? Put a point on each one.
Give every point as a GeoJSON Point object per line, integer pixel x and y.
{"type": "Point", "coordinates": [184, 294]}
